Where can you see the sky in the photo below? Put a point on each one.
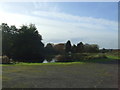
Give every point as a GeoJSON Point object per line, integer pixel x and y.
{"type": "Point", "coordinates": [58, 22]}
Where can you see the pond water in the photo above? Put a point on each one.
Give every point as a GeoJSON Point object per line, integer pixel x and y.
{"type": "Point", "coordinates": [46, 61]}
{"type": "Point", "coordinates": [56, 58]}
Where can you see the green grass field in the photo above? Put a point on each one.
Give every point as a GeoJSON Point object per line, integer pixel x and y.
{"type": "Point", "coordinates": [94, 74]}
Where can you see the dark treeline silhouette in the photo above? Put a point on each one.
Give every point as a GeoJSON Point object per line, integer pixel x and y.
{"type": "Point", "coordinates": [22, 44]}
{"type": "Point", "coordinates": [63, 48]}
{"type": "Point", "coordinates": [25, 44]}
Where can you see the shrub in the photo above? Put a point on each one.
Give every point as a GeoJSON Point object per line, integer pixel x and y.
{"type": "Point", "coordinates": [79, 57]}
{"type": "Point", "coordinates": [5, 60]}
{"type": "Point", "coordinates": [63, 58]}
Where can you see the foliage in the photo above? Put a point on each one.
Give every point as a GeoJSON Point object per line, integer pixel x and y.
{"type": "Point", "coordinates": [80, 47]}
{"type": "Point", "coordinates": [50, 50]}
{"type": "Point", "coordinates": [80, 57]}
{"type": "Point", "coordinates": [68, 46]}
{"type": "Point", "coordinates": [93, 48]}
{"type": "Point", "coordinates": [60, 48]}
{"type": "Point", "coordinates": [63, 58]}
{"type": "Point", "coordinates": [85, 48]}
{"type": "Point", "coordinates": [5, 59]}
{"type": "Point", "coordinates": [0, 42]}
{"type": "Point", "coordinates": [74, 48]}
{"type": "Point", "coordinates": [25, 45]}
{"type": "Point", "coordinates": [22, 44]}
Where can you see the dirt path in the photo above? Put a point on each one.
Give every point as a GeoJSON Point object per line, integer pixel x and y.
{"type": "Point", "coordinates": [90, 75]}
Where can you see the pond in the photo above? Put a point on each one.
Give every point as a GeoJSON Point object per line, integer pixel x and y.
{"type": "Point", "coordinates": [53, 58]}
{"type": "Point", "coordinates": [57, 58]}
{"type": "Point", "coordinates": [46, 61]}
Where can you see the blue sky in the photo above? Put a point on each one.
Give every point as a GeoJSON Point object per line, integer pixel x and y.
{"type": "Point", "coordinates": [89, 22]}
{"type": "Point", "coordinates": [107, 10]}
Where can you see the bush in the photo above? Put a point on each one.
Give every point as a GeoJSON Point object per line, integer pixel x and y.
{"type": "Point", "coordinates": [101, 56]}
{"type": "Point", "coordinates": [87, 56]}
{"type": "Point", "coordinates": [5, 60]}
{"type": "Point", "coordinates": [79, 57]}
{"type": "Point", "coordinates": [63, 58]}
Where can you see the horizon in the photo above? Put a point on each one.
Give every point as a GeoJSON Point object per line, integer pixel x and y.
{"type": "Point", "coordinates": [57, 22]}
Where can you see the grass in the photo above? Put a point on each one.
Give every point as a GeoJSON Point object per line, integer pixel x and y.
{"type": "Point", "coordinates": [54, 63]}
{"type": "Point", "coordinates": [83, 74]}
{"type": "Point", "coordinates": [113, 57]}
{"type": "Point", "coordinates": [60, 75]}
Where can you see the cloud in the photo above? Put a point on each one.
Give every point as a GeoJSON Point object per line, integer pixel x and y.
{"type": "Point", "coordinates": [46, 6]}
{"type": "Point", "coordinates": [69, 17]}
{"type": "Point", "coordinates": [59, 27]}
{"type": "Point", "coordinates": [86, 22]}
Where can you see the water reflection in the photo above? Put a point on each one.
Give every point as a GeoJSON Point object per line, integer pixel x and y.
{"type": "Point", "coordinates": [45, 61]}
{"type": "Point", "coordinates": [48, 61]}
{"type": "Point", "coordinates": [57, 58]}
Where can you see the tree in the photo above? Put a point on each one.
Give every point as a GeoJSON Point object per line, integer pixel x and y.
{"type": "Point", "coordinates": [6, 39]}
{"type": "Point", "coordinates": [13, 29]}
{"type": "Point", "coordinates": [0, 42]}
{"type": "Point", "coordinates": [103, 50]}
{"type": "Point", "coordinates": [28, 44]}
{"type": "Point", "coordinates": [80, 47]}
{"type": "Point", "coordinates": [49, 45]}
{"type": "Point", "coordinates": [93, 48]}
{"type": "Point", "coordinates": [68, 46]}
{"type": "Point", "coordinates": [74, 48]}
{"type": "Point", "coordinates": [22, 44]}
{"type": "Point", "coordinates": [50, 49]}
{"type": "Point", "coordinates": [59, 48]}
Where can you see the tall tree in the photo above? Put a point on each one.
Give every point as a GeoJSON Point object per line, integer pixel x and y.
{"type": "Point", "coordinates": [23, 44]}
{"type": "Point", "coordinates": [80, 47]}
{"type": "Point", "coordinates": [68, 46]}
{"type": "Point", "coordinates": [28, 44]}
{"type": "Point", "coordinates": [74, 49]}
{"type": "Point", "coordinates": [0, 42]}
{"type": "Point", "coordinates": [6, 39]}
{"type": "Point", "coordinates": [49, 49]}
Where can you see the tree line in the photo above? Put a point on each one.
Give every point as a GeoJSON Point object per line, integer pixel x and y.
{"type": "Point", "coordinates": [69, 48]}
{"type": "Point", "coordinates": [25, 44]}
